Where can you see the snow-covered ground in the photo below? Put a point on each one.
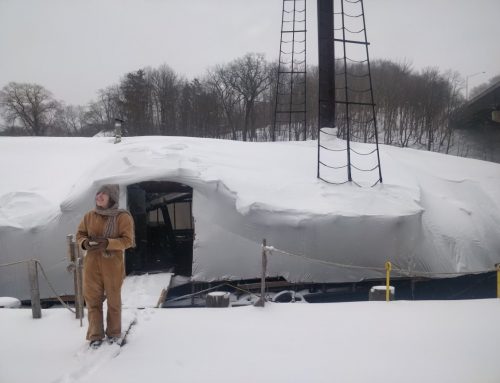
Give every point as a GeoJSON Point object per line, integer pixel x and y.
{"type": "Point", "coordinates": [434, 213]}
{"type": "Point", "coordinates": [401, 341]}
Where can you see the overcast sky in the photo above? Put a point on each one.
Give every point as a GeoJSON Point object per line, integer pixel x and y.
{"type": "Point", "coordinates": [76, 47]}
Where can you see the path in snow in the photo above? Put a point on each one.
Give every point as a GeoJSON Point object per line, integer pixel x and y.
{"type": "Point", "coordinates": [88, 361]}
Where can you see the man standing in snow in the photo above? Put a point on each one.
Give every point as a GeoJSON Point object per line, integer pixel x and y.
{"type": "Point", "coordinates": [105, 233]}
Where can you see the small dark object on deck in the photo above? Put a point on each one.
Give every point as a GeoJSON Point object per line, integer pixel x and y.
{"type": "Point", "coordinates": [218, 299]}
{"type": "Point", "coordinates": [377, 293]}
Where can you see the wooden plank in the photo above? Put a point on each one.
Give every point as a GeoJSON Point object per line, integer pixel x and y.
{"type": "Point", "coordinates": [146, 290]}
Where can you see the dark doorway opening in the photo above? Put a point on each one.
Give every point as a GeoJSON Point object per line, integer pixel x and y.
{"type": "Point", "coordinates": [164, 228]}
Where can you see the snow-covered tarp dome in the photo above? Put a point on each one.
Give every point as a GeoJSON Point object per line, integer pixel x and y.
{"type": "Point", "coordinates": [433, 213]}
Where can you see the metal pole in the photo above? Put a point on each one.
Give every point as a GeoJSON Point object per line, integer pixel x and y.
{"type": "Point", "coordinates": [326, 68]}
{"type": "Point", "coordinates": [73, 265]}
{"type": "Point", "coordinates": [79, 285]}
{"type": "Point", "coordinates": [291, 74]}
{"type": "Point", "coordinates": [36, 308]}
{"type": "Point", "coordinates": [305, 72]}
{"type": "Point", "coordinates": [371, 94]}
{"type": "Point", "coordinates": [388, 268]}
{"type": "Point", "coordinates": [346, 95]}
{"type": "Point", "coordinates": [467, 83]}
{"type": "Point", "coordinates": [262, 300]}
{"type": "Point", "coordinates": [276, 106]}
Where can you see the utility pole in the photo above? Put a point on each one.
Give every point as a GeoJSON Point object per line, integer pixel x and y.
{"type": "Point", "coordinates": [467, 83]}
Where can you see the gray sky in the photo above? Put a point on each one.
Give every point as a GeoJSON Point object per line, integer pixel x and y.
{"type": "Point", "coordinates": [76, 47]}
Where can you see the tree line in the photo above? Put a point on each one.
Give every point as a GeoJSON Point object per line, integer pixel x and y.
{"type": "Point", "coordinates": [236, 101]}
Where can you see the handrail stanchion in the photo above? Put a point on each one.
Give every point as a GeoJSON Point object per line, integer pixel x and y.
{"type": "Point", "coordinates": [262, 300]}
{"type": "Point", "coordinates": [36, 307]}
{"type": "Point", "coordinates": [388, 268]}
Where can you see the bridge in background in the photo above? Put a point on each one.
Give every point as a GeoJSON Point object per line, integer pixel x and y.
{"type": "Point", "coordinates": [483, 108]}
{"type": "Point", "coordinates": [477, 126]}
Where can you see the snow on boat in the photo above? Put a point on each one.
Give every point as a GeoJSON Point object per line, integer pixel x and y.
{"type": "Point", "coordinates": [203, 206]}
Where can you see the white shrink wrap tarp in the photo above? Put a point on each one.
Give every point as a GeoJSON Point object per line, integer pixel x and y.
{"type": "Point", "coordinates": [433, 213]}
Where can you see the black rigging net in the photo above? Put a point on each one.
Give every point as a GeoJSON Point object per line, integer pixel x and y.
{"type": "Point", "coordinates": [347, 118]}
{"type": "Point", "coordinates": [290, 113]}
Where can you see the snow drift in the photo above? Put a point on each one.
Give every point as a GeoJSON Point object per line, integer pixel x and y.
{"type": "Point", "coordinates": [433, 213]}
{"type": "Point", "coordinates": [411, 342]}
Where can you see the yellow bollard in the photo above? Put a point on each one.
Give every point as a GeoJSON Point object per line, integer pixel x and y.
{"type": "Point", "coordinates": [498, 280]}
{"type": "Point", "coordinates": [388, 268]}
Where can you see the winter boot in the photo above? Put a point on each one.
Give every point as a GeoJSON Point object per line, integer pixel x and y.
{"type": "Point", "coordinates": [114, 340]}
{"type": "Point", "coordinates": [95, 344]}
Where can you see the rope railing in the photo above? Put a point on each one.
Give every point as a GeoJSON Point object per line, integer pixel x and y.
{"type": "Point", "coordinates": [271, 249]}
{"type": "Point", "coordinates": [53, 289]}
{"type": "Point", "coordinates": [395, 268]}
{"type": "Point", "coordinates": [14, 263]}
{"type": "Point", "coordinates": [44, 274]}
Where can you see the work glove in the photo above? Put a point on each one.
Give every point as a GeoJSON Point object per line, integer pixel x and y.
{"type": "Point", "coordinates": [86, 245]}
{"type": "Point", "coordinates": [95, 244]}
{"type": "Point", "coordinates": [102, 244]}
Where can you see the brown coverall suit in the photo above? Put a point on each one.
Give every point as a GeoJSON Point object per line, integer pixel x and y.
{"type": "Point", "coordinates": [104, 275]}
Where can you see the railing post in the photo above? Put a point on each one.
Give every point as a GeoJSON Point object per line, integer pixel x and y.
{"type": "Point", "coordinates": [388, 268]}
{"type": "Point", "coordinates": [36, 308]}
{"type": "Point", "coordinates": [262, 300]}
{"type": "Point", "coordinates": [76, 265]}
{"type": "Point", "coordinates": [79, 283]}
{"type": "Point", "coordinates": [72, 259]}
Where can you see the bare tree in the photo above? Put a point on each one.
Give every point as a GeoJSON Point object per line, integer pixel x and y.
{"type": "Point", "coordinates": [220, 81]}
{"type": "Point", "coordinates": [100, 114]}
{"type": "Point", "coordinates": [165, 89]}
{"type": "Point", "coordinates": [250, 78]}
{"type": "Point", "coordinates": [31, 105]}
{"type": "Point", "coordinates": [70, 119]}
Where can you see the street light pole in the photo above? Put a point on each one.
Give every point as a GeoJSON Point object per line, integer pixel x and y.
{"type": "Point", "coordinates": [467, 83]}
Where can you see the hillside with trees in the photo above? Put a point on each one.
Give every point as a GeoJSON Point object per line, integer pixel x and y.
{"type": "Point", "coordinates": [236, 101]}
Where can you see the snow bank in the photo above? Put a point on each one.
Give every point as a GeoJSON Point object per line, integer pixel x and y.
{"type": "Point", "coordinates": [434, 213]}
{"type": "Point", "coordinates": [412, 342]}
{"type": "Point", "coordinates": [9, 302]}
